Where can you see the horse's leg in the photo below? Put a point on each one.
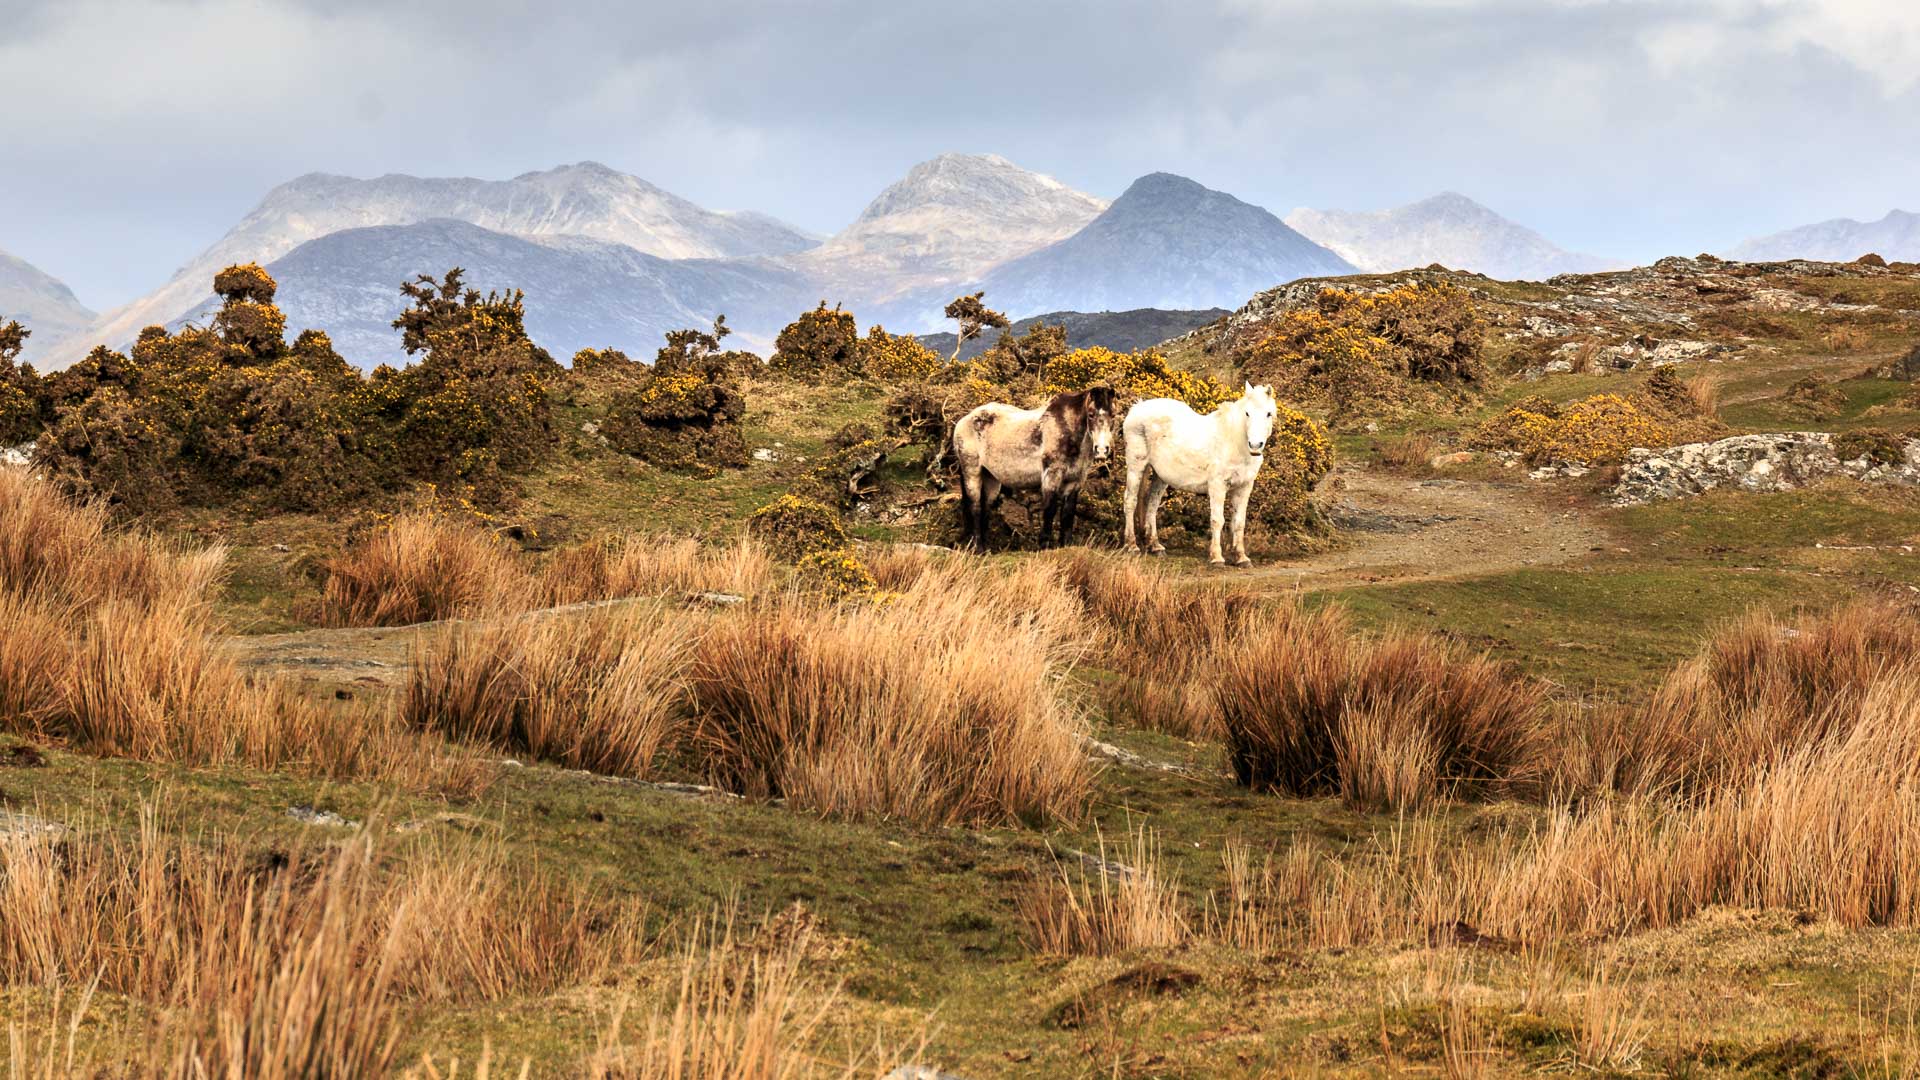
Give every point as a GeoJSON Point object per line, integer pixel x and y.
{"type": "Point", "coordinates": [972, 503]}
{"type": "Point", "coordinates": [989, 494]}
{"type": "Point", "coordinates": [1130, 538]}
{"type": "Point", "coordinates": [1069, 506]}
{"type": "Point", "coordinates": [1156, 491]}
{"type": "Point", "coordinates": [1240, 496]}
{"type": "Point", "coordinates": [1049, 503]}
{"type": "Point", "coordinates": [1217, 517]}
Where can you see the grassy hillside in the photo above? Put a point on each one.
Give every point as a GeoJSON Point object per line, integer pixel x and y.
{"type": "Point", "coordinates": [1490, 777]}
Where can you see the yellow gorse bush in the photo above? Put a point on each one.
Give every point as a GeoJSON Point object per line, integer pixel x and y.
{"type": "Point", "coordinates": [1597, 430]}
{"type": "Point", "coordinates": [1135, 376]}
{"type": "Point", "coordinates": [898, 357]}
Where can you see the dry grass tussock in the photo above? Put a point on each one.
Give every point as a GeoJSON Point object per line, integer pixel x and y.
{"type": "Point", "coordinates": [1103, 907]}
{"type": "Point", "coordinates": [1160, 634]}
{"type": "Point", "coordinates": [1832, 827]}
{"type": "Point", "coordinates": [422, 567]}
{"type": "Point", "coordinates": [646, 565]}
{"type": "Point", "coordinates": [427, 567]}
{"type": "Point", "coordinates": [111, 650]}
{"type": "Point", "coordinates": [941, 704]}
{"type": "Point", "coordinates": [67, 554]}
{"type": "Point", "coordinates": [299, 964]}
{"type": "Point", "coordinates": [597, 690]}
{"type": "Point", "coordinates": [1310, 708]}
{"type": "Point", "coordinates": [736, 1010]}
{"type": "Point", "coordinates": [1762, 688]}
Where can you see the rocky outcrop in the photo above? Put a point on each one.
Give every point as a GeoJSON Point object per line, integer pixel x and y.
{"type": "Point", "coordinates": [1759, 463]}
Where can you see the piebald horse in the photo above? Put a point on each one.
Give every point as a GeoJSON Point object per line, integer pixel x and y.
{"type": "Point", "coordinates": [1170, 445]}
{"type": "Point", "coordinates": [1048, 448]}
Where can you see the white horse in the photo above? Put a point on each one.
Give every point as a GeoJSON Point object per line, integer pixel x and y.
{"type": "Point", "coordinates": [1170, 445]}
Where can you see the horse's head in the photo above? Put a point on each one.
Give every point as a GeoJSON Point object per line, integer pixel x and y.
{"type": "Point", "coordinates": [1100, 421]}
{"type": "Point", "coordinates": [1256, 402]}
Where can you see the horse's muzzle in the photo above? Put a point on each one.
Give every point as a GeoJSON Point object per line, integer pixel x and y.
{"type": "Point", "coordinates": [1256, 449]}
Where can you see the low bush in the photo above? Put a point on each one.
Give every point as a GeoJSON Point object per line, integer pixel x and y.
{"type": "Point", "coordinates": [793, 528]}
{"type": "Point", "coordinates": [1877, 445]}
{"type": "Point", "coordinates": [1597, 430]}
{"type": "Point", "coordinates": [1814, 398]}
{"type": "Point", "coordinates": [818, 346]}
{"type": "Point", "coordinates": [1361, 353]}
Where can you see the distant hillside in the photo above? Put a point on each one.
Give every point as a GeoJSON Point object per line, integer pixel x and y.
{"type": "Point", "coordinates": [42, 303]}
{"type": "Point", "coordinates": [1121, 331]}
{"type": "Point", "coordinates": [581, 200]}
{"type": "Point", "coordinates": [1895, 237]}
{"type": "Point", "coordinates": [580, 292]}
{"type": "Point", "coordinates": [1449, 229]}
{"type": "Point", "coordinates": [1167, 242]}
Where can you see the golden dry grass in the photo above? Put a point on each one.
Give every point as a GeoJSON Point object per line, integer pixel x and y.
{"type": "Point", "coordinates": [292, 965]}
{"type": "Point", "coordinates": [735, 1011]}
{"type": "Point", "coordinates": [1157, 632]}
{"type": "Point", "coordinates": [1310, 708]}
{"type": "Point", "coordinates": [1108, 907]}
{"type": "Point", "coordinates": [940, 705]}
{"type": "Point", "coordinates": [598, 690]}
{"type": "Point", "coordinates": [422, 567]}
{"type": "Point", "coordinates": [111, 649]}
{"type": "Point", "coordinates": [646, 565]}
{"type": "Point", "coordinates": [1762, 688]}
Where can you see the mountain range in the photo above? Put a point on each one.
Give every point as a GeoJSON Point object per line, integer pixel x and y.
{"type": "Point", "coordinates": [1449, 229]}
{"type": "Point", "coordinates": [608, 259]}
{"type": "Point", "coordinates": [1895, 237]}
{"type": "Point", "coordinates": [41, 303]}
{"type": "Point", "coordinates": [1166, 242]}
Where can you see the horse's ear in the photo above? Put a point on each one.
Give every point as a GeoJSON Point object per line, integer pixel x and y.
{"type": "Point", "coordinates": [1246, 388]}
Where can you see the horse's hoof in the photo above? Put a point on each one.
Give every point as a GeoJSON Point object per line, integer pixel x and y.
{"type": "Point", "coordinates": [1216, 562]}
{"type": "Point", "coordinates": [1243, 561]}
{"type": "Point", "coordinates": [1157, 549]}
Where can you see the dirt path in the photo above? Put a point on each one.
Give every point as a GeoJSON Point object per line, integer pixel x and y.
{"type": "Point", "coordinates": [374, 657]}
{"type": "Point", "coordinates": [1396, 529]}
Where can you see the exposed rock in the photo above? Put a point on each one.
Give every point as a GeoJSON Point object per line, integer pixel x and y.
{"type": "Point", "coordinates": [1774, 462]}
{"type": "Point", "coordinates": [1905, 369]}
{"type": "Point", "coordinates": [21, 455]}
{"type": "Point", "coordinates": [15, 825]}
{"type": "Point", "coordinates": [307, 815]}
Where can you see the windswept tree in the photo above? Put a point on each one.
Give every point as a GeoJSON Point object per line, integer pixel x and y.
{"type": "Point", "coordinates": [973, 318]}
{"type": "Point", "coordinates": [19, 388]}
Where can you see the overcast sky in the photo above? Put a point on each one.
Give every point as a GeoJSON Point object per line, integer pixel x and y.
{"type": "Point", "coordinates": [136, 131]}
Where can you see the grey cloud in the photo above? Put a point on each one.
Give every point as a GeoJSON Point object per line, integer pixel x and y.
{"type": "Point", "coordinates": [141, 130]}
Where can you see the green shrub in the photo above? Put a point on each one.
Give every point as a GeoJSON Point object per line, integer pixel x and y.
{"type": "Point", "coordinates": [793, 527]}
{"type": "Point", "coordinates": [1361, 353]}
{"type": "Point", "coordinates": [817, 346]}
{"type": "Point", "coordinates": [1877, 445]}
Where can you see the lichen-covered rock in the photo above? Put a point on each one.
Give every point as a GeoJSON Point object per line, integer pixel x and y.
{"type": "Point", "coordinates": [1775, 462]}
